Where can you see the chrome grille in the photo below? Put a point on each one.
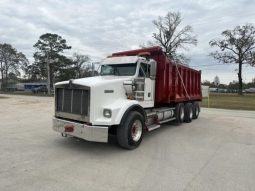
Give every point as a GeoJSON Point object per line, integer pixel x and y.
{"type": "Point", "coordinates": [72, 103]}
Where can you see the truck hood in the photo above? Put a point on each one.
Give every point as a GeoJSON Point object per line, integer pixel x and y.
{"type": "Point", "coordinates": [104, 92]}
{"type": "Point", "coordinates": [97, 81]}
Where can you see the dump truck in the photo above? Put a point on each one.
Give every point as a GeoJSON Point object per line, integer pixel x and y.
{"type": "Point", "coordinates": [136, 91]}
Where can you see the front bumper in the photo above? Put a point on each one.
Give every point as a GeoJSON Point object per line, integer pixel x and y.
{"type": "Point", "coordinates": [83, 131]}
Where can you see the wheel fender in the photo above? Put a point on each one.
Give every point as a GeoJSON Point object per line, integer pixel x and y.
{"type": "Point", "coordinates": [120, 108]}
{"type": "Point", "coordinates": [132, 106]}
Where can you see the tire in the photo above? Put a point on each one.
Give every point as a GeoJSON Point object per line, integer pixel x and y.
{"type": "Point", "coordinates": [130, 131]}
{"type": "Point", "coordinates": [196, 110]}
{"type": "Point", "coordinates": [179, 113]}
{"type": "Point", "coordinates": [188, 112]}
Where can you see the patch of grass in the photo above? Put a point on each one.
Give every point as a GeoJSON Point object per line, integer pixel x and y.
{"type": "Point", "coordinates": [230, 101]}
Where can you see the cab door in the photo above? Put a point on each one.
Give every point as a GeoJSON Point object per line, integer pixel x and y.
{"type": "Point", "coordinates": [149, 84]}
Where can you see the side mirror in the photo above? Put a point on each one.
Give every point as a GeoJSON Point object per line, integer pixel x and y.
{"type": "Point", "coordinates": [153, 69]}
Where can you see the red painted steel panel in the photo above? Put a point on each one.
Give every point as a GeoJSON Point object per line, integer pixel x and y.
{"type": "Point", "coordinates": [169, 84]}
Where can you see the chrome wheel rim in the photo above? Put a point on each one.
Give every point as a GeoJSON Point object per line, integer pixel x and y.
{"type": "Point", "coordinates": [136, 130]}
{"type": "Point", "coordinates": [182, 113]}
{"type": "Point", "coordinates": [197, 111]}
{"type": "Point", "coordinates": [191, 113]}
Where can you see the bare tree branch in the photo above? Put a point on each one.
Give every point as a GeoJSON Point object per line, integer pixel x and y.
{"type": "Point", "coordinates": [171, 37]}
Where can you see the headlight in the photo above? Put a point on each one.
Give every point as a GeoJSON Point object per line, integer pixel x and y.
{"type": "Point", "coordinates": [107, 113]}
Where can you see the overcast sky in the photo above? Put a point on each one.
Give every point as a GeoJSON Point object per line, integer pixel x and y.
{"type": "Point", "coordinates": [98, 28]}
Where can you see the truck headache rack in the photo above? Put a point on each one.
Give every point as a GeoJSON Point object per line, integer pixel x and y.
{"type": "Point", "coordinates": [72, 103]}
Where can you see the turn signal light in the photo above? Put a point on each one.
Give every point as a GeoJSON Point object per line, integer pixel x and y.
{"type": "Point", "coordinates": [131, 97]}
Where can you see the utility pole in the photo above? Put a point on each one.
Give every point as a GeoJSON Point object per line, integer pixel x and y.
{"type": "Point", "coordinates": [48, 72]}
{"type": "Point", "coordinates": [93, 69]}
{"type": "Point", "coordinates": [48, 62]}
{"type": "Point", "coordinates": [93, 65]}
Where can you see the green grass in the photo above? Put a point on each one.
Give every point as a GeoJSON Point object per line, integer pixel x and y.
{"type": "Point", "coordinates": [230, 101]}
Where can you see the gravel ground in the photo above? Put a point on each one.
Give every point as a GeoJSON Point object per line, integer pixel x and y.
{"type": "Point", "coordinates": [214, 152]}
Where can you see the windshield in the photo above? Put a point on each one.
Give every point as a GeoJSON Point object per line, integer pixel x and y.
{"type": "Point", "coordinates": [118, 69]}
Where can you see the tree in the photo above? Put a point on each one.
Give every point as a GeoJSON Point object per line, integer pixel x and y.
{"type": "Point", "coordinates": [237, 46]}
{"type": "Point", "coordinates": [171, 37]}
{"type": "Point", "coordinates": [206, 83]}
{"type": "Point", "coordinates": [216, 81]}
{"type": "Point", "coordinates": [33, 72]}
{"type": "Point", "coordinates": [52, 44]}
{"type": "Point", "coordinates": [233, 86]}
{"type": "Point", "coordinates": [49, 48]}
{"type": "Point", "coordinates": [81, 64]}
{"type": "Point", "coordinates": [65, 69]}
{"type": "Point", "coordinates": [11, 61]}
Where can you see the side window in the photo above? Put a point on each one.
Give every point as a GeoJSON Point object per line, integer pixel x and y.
{"type": "Point", "coordinates": [146, 68]}
{"type": "Point", "coordinates": [141, 73]}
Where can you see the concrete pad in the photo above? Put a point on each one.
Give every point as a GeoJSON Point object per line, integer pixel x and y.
{"type": "Point", "coordinates": [214, 152]}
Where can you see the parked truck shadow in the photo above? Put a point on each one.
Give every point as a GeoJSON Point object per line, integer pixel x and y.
{"type": "Point", "coordinates": [112, 145]}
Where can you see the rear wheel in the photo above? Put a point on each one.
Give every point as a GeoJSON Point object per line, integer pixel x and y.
{"type": "Point", "coordinates": [130, 131]}
{"type": "Point", "coordinates": [196, 110]}
{"type": "Point", "coordinates": [188, 112]}
{"type": "Point", "coordinates": [179, 113]}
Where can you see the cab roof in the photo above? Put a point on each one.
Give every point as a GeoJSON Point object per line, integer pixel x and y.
{"type": "Point", "coordinates": [120, 60]}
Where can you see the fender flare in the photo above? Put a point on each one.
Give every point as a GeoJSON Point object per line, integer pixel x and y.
{"type": "Point", "coordinates": [135, 107]}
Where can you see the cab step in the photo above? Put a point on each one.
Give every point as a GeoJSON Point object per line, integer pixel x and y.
{"type": "Point", "coordinates": [153, 127]}
{"type": "Point", "coordinates": [167, 120]}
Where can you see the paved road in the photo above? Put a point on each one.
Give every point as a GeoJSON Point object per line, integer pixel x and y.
{"type": "Point", "coordinates": [214, 152]}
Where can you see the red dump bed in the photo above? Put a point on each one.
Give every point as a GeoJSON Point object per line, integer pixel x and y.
{"type": "Point", "coordinates": [170, 87]}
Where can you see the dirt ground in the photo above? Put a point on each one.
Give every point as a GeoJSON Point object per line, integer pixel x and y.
{"type": "Point", "coordinates": [214, 152]}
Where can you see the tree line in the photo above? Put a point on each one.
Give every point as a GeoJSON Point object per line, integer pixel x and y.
{"type": "Point", "coordinates": [235, 46]}
{"type": "Point", "coordinates": [11, 61]}
{"type": "Point", "coordinates": [230, 87]}
{"type": "Point", "coordinates": [49, 51]}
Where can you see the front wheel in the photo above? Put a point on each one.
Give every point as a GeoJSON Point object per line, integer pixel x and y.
{"type": "Point", "coordinates": [130, 131]}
